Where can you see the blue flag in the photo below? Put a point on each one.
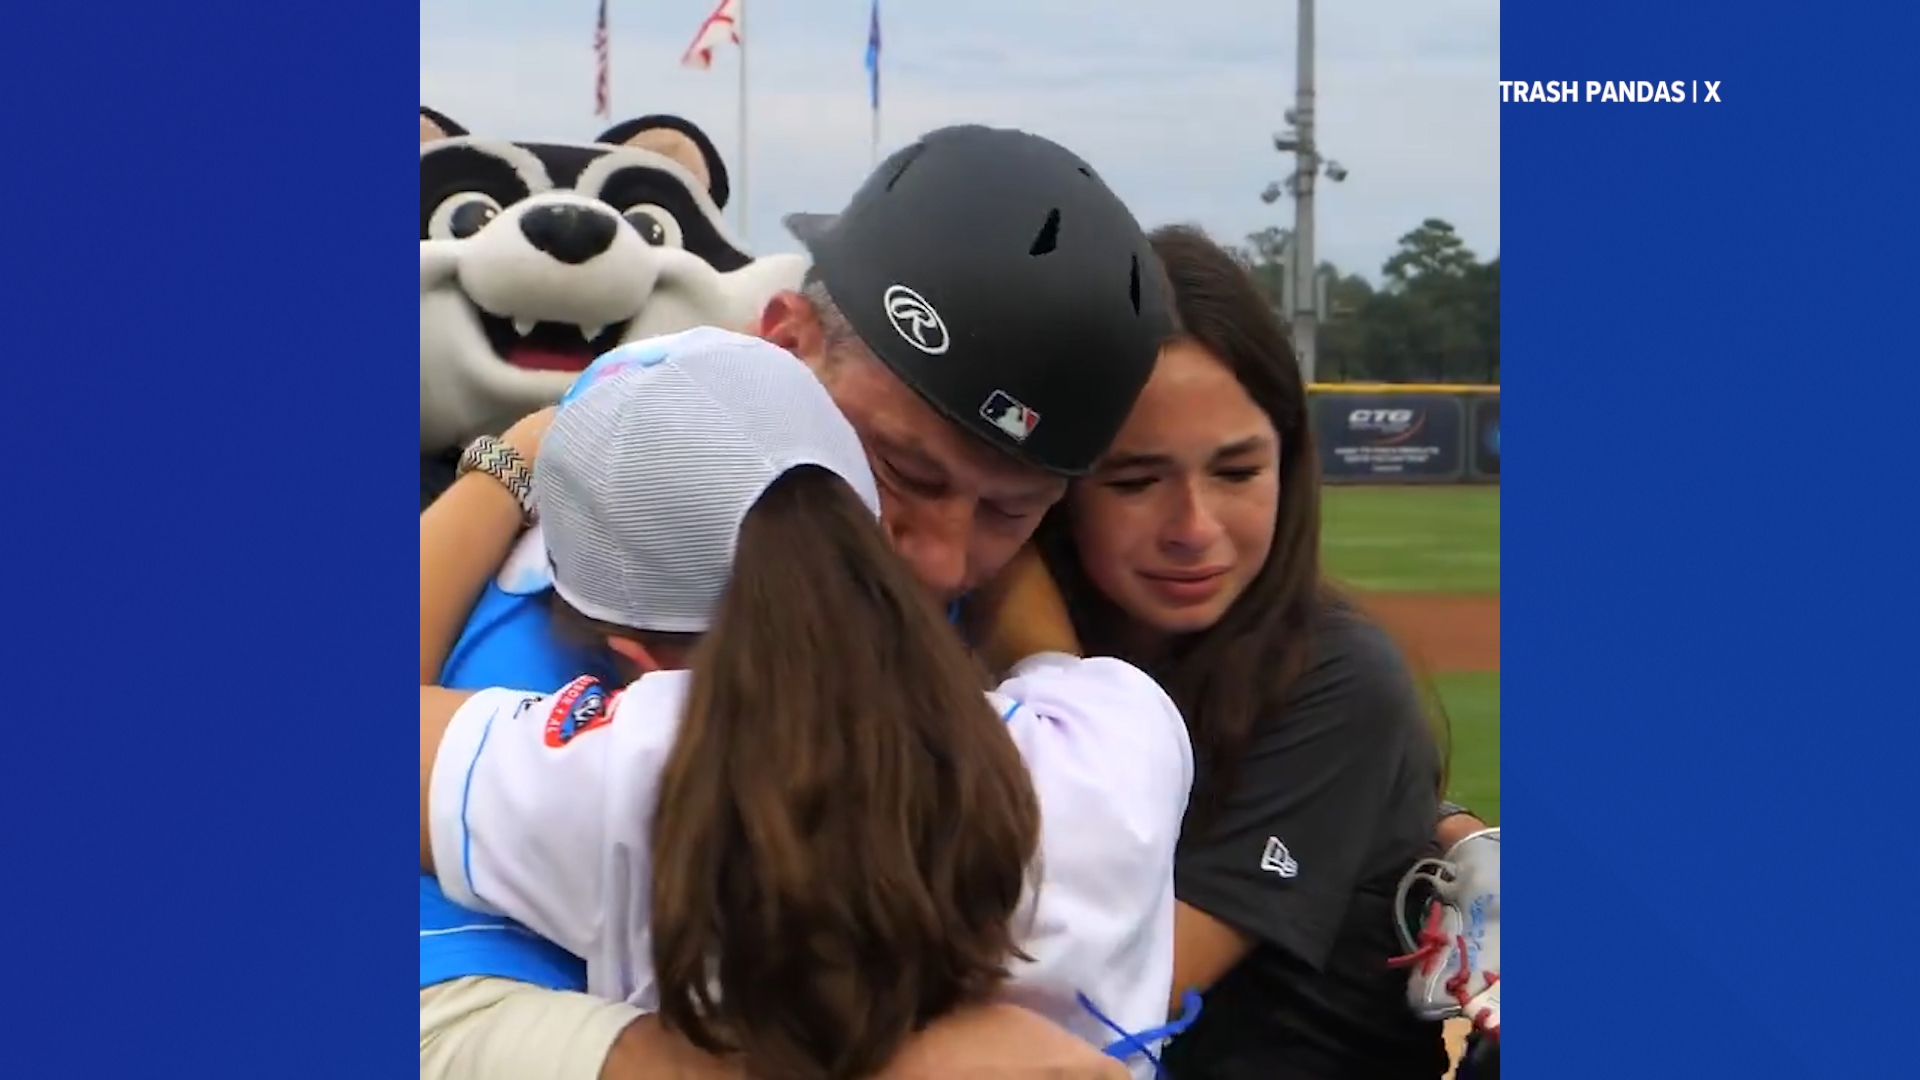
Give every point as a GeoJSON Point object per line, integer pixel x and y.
{"type": "Point", "coordinates": [873, 57]}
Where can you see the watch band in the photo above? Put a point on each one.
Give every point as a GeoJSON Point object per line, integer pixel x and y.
{"type": "Point", "coordinates": [1449, 809]}
{"type": "Point", "coordinates": [504, 464]}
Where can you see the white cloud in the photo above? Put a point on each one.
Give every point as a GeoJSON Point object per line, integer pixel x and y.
{"type": "Point", "coordinates": [1174, 104]}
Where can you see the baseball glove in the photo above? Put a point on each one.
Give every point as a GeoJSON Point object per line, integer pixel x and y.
{"type": "Point", "coordinates": [1455, 957]}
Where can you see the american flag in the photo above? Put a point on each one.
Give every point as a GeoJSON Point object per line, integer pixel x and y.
{"type": "Point", "coordinates": [602, 78]}
{"type": "Point", "coordinates": [721, 27]}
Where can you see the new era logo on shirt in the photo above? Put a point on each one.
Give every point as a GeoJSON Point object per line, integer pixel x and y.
{"type": "Point", "coordinates": [1276, 859]}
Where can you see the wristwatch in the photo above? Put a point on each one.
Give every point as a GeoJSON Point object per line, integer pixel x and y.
{"type": "Point", "coordinates": [504, 464]}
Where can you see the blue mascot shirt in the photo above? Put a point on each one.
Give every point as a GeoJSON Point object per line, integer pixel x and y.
{"type": "Point", "coordinates": [509, 641]}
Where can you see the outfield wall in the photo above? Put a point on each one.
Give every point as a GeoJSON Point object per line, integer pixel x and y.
{"type": "Point", "coordinates": [1395, 433]}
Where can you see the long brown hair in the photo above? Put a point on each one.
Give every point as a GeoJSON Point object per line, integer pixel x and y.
{"type": "Point", "coordinates": [845, 826]}
{"type": "Point", "coordinates": [1227, 677]}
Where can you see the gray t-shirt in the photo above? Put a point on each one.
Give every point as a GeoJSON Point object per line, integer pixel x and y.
{"type": "Point", "coordinates": [1333, 800]}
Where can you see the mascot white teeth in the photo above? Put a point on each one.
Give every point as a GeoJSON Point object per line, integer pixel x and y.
{"type": "Point", "coordinates": [537, 257]}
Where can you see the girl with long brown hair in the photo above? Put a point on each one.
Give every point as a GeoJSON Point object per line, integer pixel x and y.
{"type": "Point", "coordinates": [1193, 550]}
{"type": "Point", "coordinates": [802, 831]}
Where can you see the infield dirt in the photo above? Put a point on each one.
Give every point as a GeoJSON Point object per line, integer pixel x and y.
{"type": "Point", "coordinates": [1442, 632]}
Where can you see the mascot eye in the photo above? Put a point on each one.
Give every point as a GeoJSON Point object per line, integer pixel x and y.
{"type": "Point", "coordinates": [654, 224]}
{"type": "Point", "coordinates": [460, 216]}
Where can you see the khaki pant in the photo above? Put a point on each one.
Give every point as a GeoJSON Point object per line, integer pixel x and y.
{"type": "Point", "coordinates": [498, 1029]}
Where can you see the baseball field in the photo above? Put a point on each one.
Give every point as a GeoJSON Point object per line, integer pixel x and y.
{"type": "Point", "coordinates": [1426, 561]}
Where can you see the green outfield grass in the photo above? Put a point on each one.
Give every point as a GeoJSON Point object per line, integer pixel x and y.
{"type": "Point", "coordinates": [1431, 539]}
{"type": "Point", "coordinates": [1473, 709]}
{"type": "Point", "coordinates": [1444, 538]}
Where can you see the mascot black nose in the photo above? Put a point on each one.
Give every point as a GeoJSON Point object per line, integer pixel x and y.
{"type": "Point", "coordinates": [571, 234]}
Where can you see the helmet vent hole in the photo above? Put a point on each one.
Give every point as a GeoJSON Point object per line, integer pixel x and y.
{"type": "Point", "coordinates": [907, 158]}
{"type": "Point", "coordinates": [1049, 237]}
{"type": "Point", "coordinates": [1133, 285]}
{"type": "Point", "coordinates": [1084, 171]}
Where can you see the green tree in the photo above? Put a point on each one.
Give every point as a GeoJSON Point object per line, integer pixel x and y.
{"type": "Point", "coordinates": [1437, 316]}
{"type": "Point", "coordinates": [1434, 318]}
{"type": "Point", "coordinates": [1484, 285]}
{"type": "Point", "coordinates": [1264, 254]}
{"type": "Point", "coordinates": [1342, 340]}
{"type": "Point", "coordinates": [1432, 251]}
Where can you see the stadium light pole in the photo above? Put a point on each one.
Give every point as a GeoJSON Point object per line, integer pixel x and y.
{"type": "Point", "coordinates": [1304, 300]}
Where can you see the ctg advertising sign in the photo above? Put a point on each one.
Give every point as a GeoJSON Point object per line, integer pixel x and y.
{"type": "Point", "coordinates": [1391, 438]}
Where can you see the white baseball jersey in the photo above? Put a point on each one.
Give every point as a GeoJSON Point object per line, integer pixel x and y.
{"type": "Point", "coordinates": [542, 806]}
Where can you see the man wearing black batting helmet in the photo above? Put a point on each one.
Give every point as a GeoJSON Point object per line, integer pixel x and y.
{"type": "Point", "coordinates": [985, 311]}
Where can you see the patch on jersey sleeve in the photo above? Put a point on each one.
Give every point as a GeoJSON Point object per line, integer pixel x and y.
{"type": "Point", "coordinates": [579, 708]}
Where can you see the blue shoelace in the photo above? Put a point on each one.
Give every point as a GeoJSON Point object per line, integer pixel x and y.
{"type": "Point", "coordinates": [1141, 1043]}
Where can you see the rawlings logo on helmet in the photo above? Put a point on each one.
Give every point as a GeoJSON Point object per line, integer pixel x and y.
{"type": "Point", "coordinates": [915, 320]}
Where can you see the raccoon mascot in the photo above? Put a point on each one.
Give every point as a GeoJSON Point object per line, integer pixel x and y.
{"type": "Point", "coordinates": [536, 257]}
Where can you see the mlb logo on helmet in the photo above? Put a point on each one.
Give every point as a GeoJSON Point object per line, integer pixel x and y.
{"type": "Point", "coordinates": [613, 362]}
{"type": "Point", "coordinates": [1003, 412]}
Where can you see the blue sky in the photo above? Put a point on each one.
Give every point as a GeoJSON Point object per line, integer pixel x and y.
{"type": "Point", "coordinates": [1174, 103]}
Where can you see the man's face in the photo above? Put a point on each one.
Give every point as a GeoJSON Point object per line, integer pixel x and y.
{"type": "Point", "coordinates": [957, 509]}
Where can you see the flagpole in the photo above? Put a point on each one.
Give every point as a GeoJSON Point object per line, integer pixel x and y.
{"type": "Point", "coordinates": [740, 30]}
{"type": "Point", "coordinates": [873, 79]}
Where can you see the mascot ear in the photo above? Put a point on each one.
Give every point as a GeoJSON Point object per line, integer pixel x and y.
{"type": "Point", "coordinates": [434, 125]}
{"type": "Point", "coordinates": [679, 140]}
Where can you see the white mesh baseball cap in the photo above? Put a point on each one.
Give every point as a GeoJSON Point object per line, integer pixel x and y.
{"type": "Point", "coordinates": [652, 463]}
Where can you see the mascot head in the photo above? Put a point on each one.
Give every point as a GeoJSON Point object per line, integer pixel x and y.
{"type": "Point", "coordinates": [537, 257]}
